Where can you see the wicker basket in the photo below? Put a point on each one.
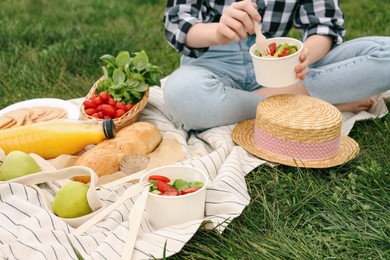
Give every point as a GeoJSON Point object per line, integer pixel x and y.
{"type": "Point", "coordinates": [127, 119]}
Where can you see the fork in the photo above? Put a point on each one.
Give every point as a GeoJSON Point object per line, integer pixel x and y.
{"type": "Point", "coordinates": [129, 193]}
{"type": "Point", "coordinates": [261, 41]}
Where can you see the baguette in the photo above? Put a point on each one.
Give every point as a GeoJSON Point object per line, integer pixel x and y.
{"type": "Point", "coordinates": [105, 157]}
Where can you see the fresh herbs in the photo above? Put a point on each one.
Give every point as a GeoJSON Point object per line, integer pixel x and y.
{"type": "Point", "coordinates": [127, 76]}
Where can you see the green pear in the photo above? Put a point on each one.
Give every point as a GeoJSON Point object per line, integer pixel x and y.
{"type": "Point", "coordinates": [71, 200]}
{"type": "Point", "coordinates": [17, 164]}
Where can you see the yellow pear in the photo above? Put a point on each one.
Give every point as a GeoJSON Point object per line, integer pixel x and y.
{"type": "Point", "coordinates": [17, 164]}
{"type": "Point", "coordinates": [71, 200]}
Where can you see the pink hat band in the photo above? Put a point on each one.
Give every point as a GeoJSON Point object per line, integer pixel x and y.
{"type": "Point", "coordinates": [296, 150]}
{"type": "Point", "coordinates": [296, 130]}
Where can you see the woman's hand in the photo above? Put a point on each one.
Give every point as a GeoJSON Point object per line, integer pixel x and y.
{"type": "Point", "coordinates": [302, 68]}
{"type": "Point", "coordinates": [236, 22]}
{"type": "Point", "coordinates": [315, 48]}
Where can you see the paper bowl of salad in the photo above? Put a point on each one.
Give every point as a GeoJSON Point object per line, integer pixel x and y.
{"type": "Point", "coordinates": [277, 69]}
{"type": "Point", "coordinates": [177, 195]}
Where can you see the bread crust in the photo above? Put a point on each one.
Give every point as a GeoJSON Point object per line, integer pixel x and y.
{"type": "Point", "coordinates": [105, 157]}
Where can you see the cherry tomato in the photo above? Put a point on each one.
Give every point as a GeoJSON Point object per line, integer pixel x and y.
{"type": "Point", "coordinates": [104, 96]}
{"type": "Point", "coordinates": [111, 102]}
{"type": "Point", "coordinates": [89, 104]}
{"type": "Point", "coordinates": [159, 178]}
{"type": "Point", "coordinates": [129, 106]}
{"type": "Point", "coordinates": [100, 114]}
{"type": "Point", "coordinates": [164, 187]}
{"type": "Point", "coordinates": [108, 110]}
{"type": "Point", "coordinates": [119, 113]}
{"type": "Point", "coordinates": [90, 111]}
{"type": "Point", "coordinates": [189, 190]}
{"type": "Point", "coordinates": [97, 115]}
{"type": "Point", "coordinates": [93, 97]}
{"type": "Point", "coordinates": [98, 101]}
{"type": "Point", "coordinates": [272, 48]}
{"type": "Point", "coordinates": [99, 107]}
{"type": "Point", "coordinates": [120, 105]}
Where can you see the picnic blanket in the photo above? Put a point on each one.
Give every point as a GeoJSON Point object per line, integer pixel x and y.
{"type": "Point", "coordinates": [28, 230]}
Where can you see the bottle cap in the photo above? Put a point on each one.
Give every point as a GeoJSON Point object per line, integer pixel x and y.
{"type": "Point", "coordinates": [109, 128]}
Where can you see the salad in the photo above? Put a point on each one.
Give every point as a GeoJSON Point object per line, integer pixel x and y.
{"type": "Point", "coordinates": [162, 185]}
{"type": "Point", "coordinates": [277, 51]}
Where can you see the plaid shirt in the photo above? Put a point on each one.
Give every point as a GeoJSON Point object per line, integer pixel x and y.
{"type": "Point", "coordinates": [310, 17]}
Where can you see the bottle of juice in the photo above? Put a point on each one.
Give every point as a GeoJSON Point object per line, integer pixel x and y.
{"type": "Point", "coordinates": [53, 138]}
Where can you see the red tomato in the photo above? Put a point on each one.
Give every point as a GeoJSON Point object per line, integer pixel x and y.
{"type": "Point", "coordinates": [164, 187]}
{"type": "Point", "coordinates": [272, 48]}
{"type": "Point", "coordinates": [97, 115]}
{"type": "Point", "coordinates": [98, 101]}
{"type": "Point", "coordinates": [111, 102]}
{"type": "Point", "coordinates": [89, 104]}
{"type": "Point", "coordinates": [93, 97]}
{"type": "Point", "coordinates": [90, 111]}
{"type": "Point", "coordinates": [129, 106]}
{"type": "Point", "coordinates": [100, 115]}
{"type": "Point", "coordinates": [99, 107]}
{"type": "Point", "coordinates": [104, 96]}
{"type": "Point", "coordinates": [120, 105]}
{"type": "Point", "coordinates": [159, 178]}
{"type": "Point", "coordinates": [282, 55]}
{"type": "Point", "coordinates": [108, 110]}
{"type": "Point", "coordinates": [189, 190]}
{"type": "Point", "coordinates": [119, 113]}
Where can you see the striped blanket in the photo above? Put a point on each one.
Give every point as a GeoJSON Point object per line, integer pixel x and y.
{"type": "Point", "coordinates": [28, 230]}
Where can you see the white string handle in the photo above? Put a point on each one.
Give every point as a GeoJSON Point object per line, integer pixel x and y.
{"type": "Point", "coordinates": [82, 224]}
{"type": "Point", "coordinates": [129, 193]}
{"type": "Point", "coordinates": [46, 166]}
{"type": "Point", "coordinates": [69, 172]}
{"type": "Point", "coordinates": [49, 176]}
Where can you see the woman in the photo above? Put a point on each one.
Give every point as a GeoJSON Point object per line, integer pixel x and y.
{"type": "Point", "coordinates": [215, 84]}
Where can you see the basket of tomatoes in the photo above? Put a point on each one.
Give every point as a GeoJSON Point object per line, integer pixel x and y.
{"type": "Point", "coordinates": [123, 91]}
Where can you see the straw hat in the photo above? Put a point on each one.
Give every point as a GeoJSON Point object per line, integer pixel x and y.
{"type": "Point", "coordinates": [296, 130]}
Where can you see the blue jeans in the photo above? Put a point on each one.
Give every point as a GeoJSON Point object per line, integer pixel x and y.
{"type": "Point", "coordinates": [215, 89]}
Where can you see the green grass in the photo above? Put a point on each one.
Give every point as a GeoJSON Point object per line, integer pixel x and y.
{"type": "Point", "coordinates": [52, 49]}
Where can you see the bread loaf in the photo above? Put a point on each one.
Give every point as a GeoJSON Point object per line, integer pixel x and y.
{"type": "Point", "coordinates": [105, 157]}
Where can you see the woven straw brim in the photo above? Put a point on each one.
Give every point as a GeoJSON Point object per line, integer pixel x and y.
{"type": "Point", "coordinates": [243, 135]}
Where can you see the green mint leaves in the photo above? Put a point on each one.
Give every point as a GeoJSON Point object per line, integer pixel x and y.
{"type": "Point", "coordinates": [127, 76]}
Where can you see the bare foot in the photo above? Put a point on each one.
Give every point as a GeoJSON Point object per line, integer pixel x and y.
{"type": "Point", "coordinates": [357, 106]}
